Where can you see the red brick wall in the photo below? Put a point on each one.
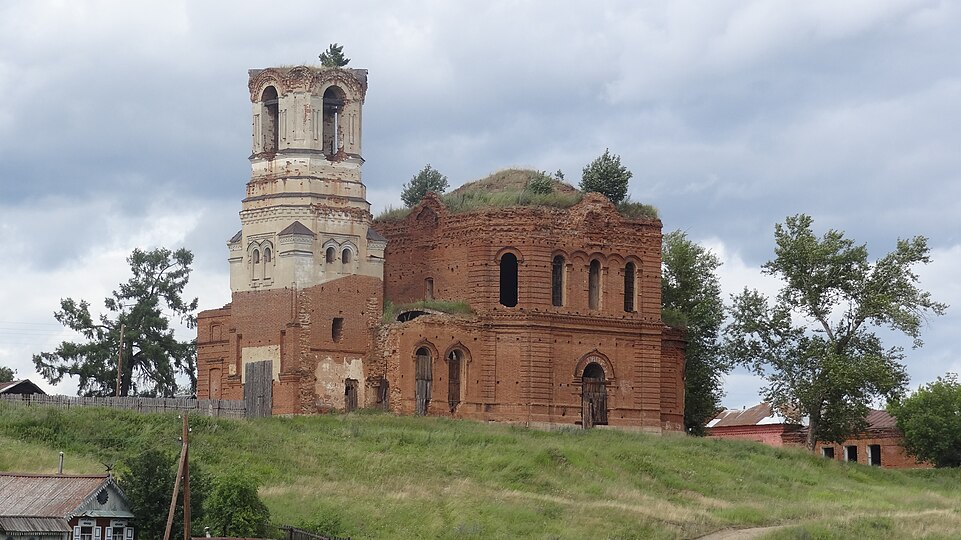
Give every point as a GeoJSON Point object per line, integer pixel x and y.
{"type": "Point", "coordinates": [892, 453]}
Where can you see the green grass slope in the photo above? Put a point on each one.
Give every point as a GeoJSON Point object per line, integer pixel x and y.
{"type": "Point", "coordinates": [382, 476]}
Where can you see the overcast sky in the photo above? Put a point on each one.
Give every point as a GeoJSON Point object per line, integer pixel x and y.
{"type": "Point", "coordinates": [127, 124]}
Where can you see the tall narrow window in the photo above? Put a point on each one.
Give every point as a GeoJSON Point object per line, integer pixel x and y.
{"type": "Point", "coordinates": [629, 271]}
{"type": "Point", "coordinates": [345, 256]}
{"type": "Point", "coordinates": [271, 126]}
{"type": "Point", "coordinates": [334, 99]}
{"type": "Point", "coordinates": [453, 379]}
{"type": "Point", "coordinates": [256, 271]}
{"type": "Point", "coordinates": [557, 281]}
{"type": "Point", "coordinates": [429, 288]}
{"type": "Point", "coordinates": [267, 263]}
{"type": "Point", "coordinates": [337, 329]}
{"type": "Point", "coordinates": [594, 285]}
{"type": "Point", "coordinates": [508, 282]}
{"type": "Point", "coordinates": [330, 255]}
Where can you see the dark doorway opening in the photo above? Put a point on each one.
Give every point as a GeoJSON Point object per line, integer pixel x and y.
{"type": "Point", "coordinates": [593, 396]}
{"type": "Point", "coordinates": [874, 455]}
{"type": "Point", "coordinates": [851, 454]}
{"type": "Point", "coordinates": [423, 379]}
{"type": "Point", "coordinates": [828, 452]}
{"type": "Point", "coordinates": [269, 125]}
{"type": "Point", "coordinates": [350, 394]}
{"type": "Point", "coordinates": [508, 280]}
{"type": "Point", "coordinates": [629, 271]}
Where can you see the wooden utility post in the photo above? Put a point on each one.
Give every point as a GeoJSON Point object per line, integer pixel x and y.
{"type": "Point", "coordinates": [120, 360]}
{"type": "Point", "coordinates": [183, 471]}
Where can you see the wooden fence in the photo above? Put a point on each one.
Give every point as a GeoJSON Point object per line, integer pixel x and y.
{"type": "Point", "coordinates": [205, 407]}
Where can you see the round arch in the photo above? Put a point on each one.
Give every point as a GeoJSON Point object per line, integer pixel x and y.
{"type": "Point", "coordinates": [597, 357]}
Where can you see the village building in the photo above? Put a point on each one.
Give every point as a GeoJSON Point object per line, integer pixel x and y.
{"type": "Point", "coordinates": [879, 445]}
{"type": "Point", "coordinates": [63, 507]}
{"type": "Point", "coordinates": [21, 387]}
{"type": "Point", "coordinates": [558, 308]}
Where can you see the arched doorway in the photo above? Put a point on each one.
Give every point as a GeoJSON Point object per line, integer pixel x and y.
{"type": "Point", "coordinates": [593, 396]}
{"type": "Point", "coordinates": [422, 378]}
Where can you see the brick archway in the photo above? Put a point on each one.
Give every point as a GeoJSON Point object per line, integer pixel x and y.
{"type": "Point", "coordinates": [597, 357]}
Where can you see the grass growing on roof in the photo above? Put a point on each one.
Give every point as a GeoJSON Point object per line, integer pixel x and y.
{"type": "Point", "coordinates": [454, 307]}
{"type": "Point", "coordinates": [376, 475]}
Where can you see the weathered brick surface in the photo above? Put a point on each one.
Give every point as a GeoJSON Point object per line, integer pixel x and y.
{"type": "Point", "coordinates": [892, 453]}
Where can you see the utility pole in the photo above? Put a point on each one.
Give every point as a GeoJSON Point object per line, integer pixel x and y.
{"type": "Point", "coordinates": [183, 471]}
{"type": "Point", "coordinates": [120, 360]}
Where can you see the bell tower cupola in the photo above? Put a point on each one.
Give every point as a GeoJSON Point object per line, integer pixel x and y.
{"type": "Point", "coordinates": [305, 198]}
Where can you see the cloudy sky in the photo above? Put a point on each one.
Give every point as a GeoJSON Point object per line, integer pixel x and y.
{"type": "Point", "coordinates": [127, 124]}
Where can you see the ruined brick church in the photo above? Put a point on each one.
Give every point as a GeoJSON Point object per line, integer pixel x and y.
{"type": "Point", "coordinates": [563, 326]}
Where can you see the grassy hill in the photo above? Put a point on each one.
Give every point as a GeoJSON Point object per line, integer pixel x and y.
{"type": "Point", "coordinates": [382, 476]}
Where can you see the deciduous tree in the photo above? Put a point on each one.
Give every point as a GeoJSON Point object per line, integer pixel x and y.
{"type": "Point", "coordinates": [691, 298]}
{"type": "Point", "coordinates": [6, 374]}
{"type": "Point", "coordinates": [428, 179]}
{"type": "Point", "coordinates": [148, 480]}
{"type": "Point", "coordinates": [235, 509]}
{"type": "Point", "coordinates": [152, 356]}
{"type": "Point", "coordinates": [816, 343]}
{"type": "Point", "coordinates": [334, 56]}
{"type": "Point", "coordinates": [606, 175]}
{"type": "Point", "coordinates": [930, 422]}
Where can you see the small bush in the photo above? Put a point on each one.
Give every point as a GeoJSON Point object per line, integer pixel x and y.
{"type": "Point", "coordinates": [631, 209]}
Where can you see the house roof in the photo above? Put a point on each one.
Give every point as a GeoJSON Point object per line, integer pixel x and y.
{"type": "Point", "coordinates": [51, 496]}
{"type": "Point", "coordinates": [236, 238]}
{"type": "Point", "coordinates": [878, 419]}
{"type": "Point", "coordinates": [758, 415]}
{"type": "Point", "coordinates": [375, 236]}
{"type": "Point", "coordinates": [23, 386]}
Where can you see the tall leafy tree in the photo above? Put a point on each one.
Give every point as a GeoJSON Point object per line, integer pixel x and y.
{"type": "Point", "coordinates": [930, 422]}
{"type": "Point", "coordinates": [428, 179]}
{"type": "Point", "coordinates": [816, 342]}
{"type": "Point", "coordinates": [6, 374]}
{"type": "Point", "coordinates": [691, 298]}
{"type": "Point", "coordinates": [152, 356]}
{"type": "Point", "coordinates": [235, 509]}
{"type": "Point", "coordinates": [148, 480]}
{"type": "Point", "coordinates": [606, 175]}
{"type": "Point", "coordinates": [334, 56]}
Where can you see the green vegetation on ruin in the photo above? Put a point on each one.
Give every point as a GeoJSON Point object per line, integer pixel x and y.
{"type": "Point", "coordinates": [518, 187]}
{"type": "Point", "coordinates": [453, 307]}
{"type": "Point", "coordinates": [376, 475]}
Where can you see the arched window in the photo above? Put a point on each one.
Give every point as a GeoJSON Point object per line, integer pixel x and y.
{"type": "Point", "coordinates": [594, 285]}
{"type": "Point", "coordinates": [267, 263]}
{"type": "Point", "coordinates": [455, 367]}
{"type": "Point", "coordinates": [270, 124]}
{"type": "Point", "coordinates": [557, 281]}
{"type": "Point", "coordinates": [345, 256]}
{"type": "Point", "coordinates": [330, 255]}
{"type": "Point", "coordinates": [256, 270]}
{"type": "Point", "coordinates": [256, 256]}
{"type": "Point", "coordinates": [630, 270]}
{"type": "Point", "coordinates": [508, 282]}
{"type": "Point", "coordinates": [334, 99]}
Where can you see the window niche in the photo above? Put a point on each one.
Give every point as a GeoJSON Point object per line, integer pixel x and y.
{"type": "Point", "coordinates": [594, 285]}
{"type": "Point", "coordinates": [330, 255]}
{"type": "Point", "coordinates": [270, 125]}
{"type": "Point", "coordinates": [557, 280]}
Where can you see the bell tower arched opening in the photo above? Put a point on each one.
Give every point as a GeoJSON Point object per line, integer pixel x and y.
{"type": "Point", "coordinates": [334, 101]}
{"type": "Point", "coordinates": [270, 126]}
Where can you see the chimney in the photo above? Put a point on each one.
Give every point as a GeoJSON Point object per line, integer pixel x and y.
{"type": "Point", "coordinates": [60, 470]}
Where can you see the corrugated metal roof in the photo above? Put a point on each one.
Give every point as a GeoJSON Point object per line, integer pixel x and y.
{"type": "Point", "coordinates": [33, 525]}
{"type": "Point", "coordinates": [878, 419]}
{"type": "Point", "coordinates": [46, 495]}
{"type": "Point", "coordinates": [759, 414]}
